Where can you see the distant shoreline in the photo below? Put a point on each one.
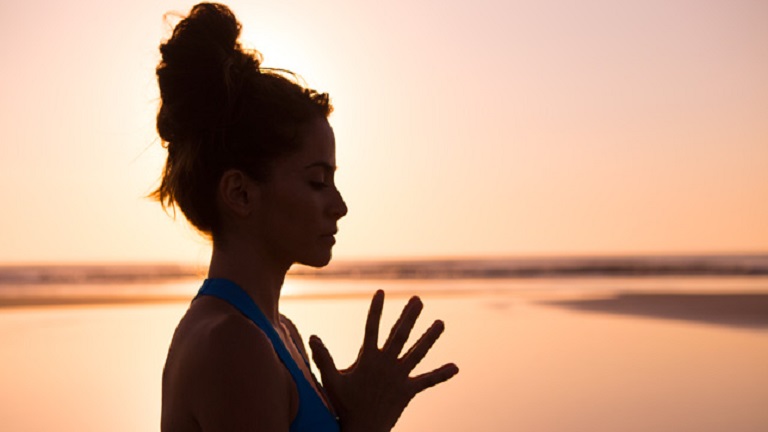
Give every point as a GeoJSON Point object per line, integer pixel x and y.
{"type": "Point", "coordinates": [78, 300]}
{"type": "Point", "coordinates": [473, 268]}
{"type": "Point", "coordinates": [746, 265]}
{"type": "Point", "coordinates": [745, 310]}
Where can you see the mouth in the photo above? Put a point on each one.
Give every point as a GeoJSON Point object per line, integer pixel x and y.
{"type": "Point", "coordinates": [330, 237]}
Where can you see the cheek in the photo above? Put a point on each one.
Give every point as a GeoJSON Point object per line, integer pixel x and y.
{"type": "Point", "coordinates": [298, 209]}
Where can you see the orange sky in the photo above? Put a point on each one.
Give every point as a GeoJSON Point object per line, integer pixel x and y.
{"type": "Point", "coordinates": [463, 128]}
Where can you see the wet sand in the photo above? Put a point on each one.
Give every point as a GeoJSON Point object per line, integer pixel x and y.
{"type": "Point", "coordinates": [54, 302]}
{"type": "Point", "coordinates": [555, 357]}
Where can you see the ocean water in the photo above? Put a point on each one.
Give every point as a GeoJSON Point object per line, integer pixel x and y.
{"type": "Point", "coordinates": [662, 353]}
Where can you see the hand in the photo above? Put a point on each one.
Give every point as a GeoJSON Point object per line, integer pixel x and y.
{"type": "Point", "coordinates": [371, 394]}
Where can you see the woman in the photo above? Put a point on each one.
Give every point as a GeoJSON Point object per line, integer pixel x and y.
{"type": "Point", "coordinates": [251, 160]}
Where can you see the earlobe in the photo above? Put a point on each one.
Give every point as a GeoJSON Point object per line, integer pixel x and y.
{"type": "Point", "coordinates": [237, 192]}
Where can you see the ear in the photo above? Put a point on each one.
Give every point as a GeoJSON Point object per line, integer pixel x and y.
{"type": "Point", "coordinates": [237, 192]}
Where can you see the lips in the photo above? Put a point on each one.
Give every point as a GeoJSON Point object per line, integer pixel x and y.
{"type": "Point", "coordinates": [329, 237]}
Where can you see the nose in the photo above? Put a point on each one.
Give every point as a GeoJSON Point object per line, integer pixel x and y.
{"type": "Point", "coordinates": [339, 207]}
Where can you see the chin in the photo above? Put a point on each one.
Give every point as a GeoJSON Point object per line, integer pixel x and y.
{"type": "Point", "coordinates": [317, 261]}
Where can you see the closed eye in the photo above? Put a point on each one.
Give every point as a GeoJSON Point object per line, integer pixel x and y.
{"type": "Point", "coordinates": [321, 175]}
{"type": "Point", "coordinates": [318, 185]}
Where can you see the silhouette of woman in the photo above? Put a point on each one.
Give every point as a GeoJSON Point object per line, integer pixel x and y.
{"type": "Point", "coordinates": [251, 160]}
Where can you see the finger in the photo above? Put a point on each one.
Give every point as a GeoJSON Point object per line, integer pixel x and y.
{"type": "Point", "coordinates": [423, 345]}
{"type": "Point", "coordinates": [402, 328]}
{"type": "Point", "coordinates": [371, 338]}
{"type": "Point", "coordinates": [323, 360]}
{"type": "Point", "coordinates": [431, 379]}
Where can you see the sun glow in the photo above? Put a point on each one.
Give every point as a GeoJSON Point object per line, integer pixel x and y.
{"type": "Point", "coordinates": [532, 130]}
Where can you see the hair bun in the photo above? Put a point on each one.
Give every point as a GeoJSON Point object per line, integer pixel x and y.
{"type": "Point", "coordinates": [201, 64]}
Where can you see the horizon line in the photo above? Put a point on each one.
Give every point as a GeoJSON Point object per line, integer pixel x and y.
{"type": "Point", "coordinates": [409, 258]}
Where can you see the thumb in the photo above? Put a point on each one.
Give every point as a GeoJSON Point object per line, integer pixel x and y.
{"type": "Point", "coordinates": [323, 360]}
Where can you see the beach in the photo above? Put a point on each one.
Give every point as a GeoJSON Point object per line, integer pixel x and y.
{"type": "Point", "coordinates": [597, 354]}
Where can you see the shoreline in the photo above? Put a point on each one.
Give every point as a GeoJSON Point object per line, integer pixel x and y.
{"type": "Point", "coordinates": [747, 310]}
{"type": "Point", "coordinates": [733, 309]}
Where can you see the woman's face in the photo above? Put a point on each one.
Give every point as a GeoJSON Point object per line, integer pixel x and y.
{"type": "Point", "coordinates": [300, 204]}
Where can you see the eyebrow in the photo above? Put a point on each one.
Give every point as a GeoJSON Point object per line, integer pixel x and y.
{"type": "Point", "coordinates": [321, 164]}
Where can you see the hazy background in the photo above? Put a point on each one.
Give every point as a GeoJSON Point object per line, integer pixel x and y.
{"type": "Point", "coordinates": [463, 128]}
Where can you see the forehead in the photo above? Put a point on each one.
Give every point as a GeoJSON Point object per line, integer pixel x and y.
{"type": "Point", "coordinates": [317, 148]}
{"type": "Point", "coordinates": [317, 143]}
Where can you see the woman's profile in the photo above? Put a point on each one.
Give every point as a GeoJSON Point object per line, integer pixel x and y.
{"type": "Point", "coordinates": [251, 161]}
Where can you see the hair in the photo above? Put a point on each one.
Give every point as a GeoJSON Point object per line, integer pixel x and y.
{"type": "Point", "coordinates": [221, 110]}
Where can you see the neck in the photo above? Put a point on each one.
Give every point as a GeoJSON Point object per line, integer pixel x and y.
{"type": "Point", "coordinates": [260, 277]}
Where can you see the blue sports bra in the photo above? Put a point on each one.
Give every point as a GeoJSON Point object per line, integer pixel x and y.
{"type": "Point", "coordinates": [313, 415]}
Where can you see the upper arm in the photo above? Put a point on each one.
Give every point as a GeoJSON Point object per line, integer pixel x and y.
{"type": "Point", "coordinates": [242, 384]}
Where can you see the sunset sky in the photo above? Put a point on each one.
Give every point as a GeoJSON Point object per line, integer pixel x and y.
{"type": "Point", "coordinates": [463, 128]}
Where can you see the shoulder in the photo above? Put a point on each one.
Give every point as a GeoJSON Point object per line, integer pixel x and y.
{"type": "Point", "coordinates": [236, 380]}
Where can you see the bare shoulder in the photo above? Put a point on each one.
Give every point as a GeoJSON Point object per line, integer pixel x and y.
{"type": "Point", "coordinates": [223, 372]}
